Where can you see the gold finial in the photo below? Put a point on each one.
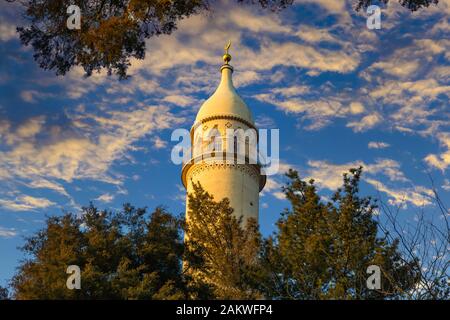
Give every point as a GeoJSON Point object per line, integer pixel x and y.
{"type": "Point", "coordinates": [226, 56]}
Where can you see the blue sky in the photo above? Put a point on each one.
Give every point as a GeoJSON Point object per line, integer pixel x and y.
{"type": "Point", "coordinates": [342, 95]}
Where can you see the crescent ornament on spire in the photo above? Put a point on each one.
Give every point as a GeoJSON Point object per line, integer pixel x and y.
{"type": "Point", "coordinates": [227, 47]}
{"type": "Point", "coordinates": [227, 56]}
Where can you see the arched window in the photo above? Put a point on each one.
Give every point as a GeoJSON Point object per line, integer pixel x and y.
{"type": "Point", "coordinates": [198, 144]}
{"type": "Point", "coordinates": [247, 148]}
{"type": "Point", "coordinates": [215, 138]}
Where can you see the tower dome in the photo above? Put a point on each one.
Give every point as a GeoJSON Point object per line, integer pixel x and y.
{"type": "Point", "coordinates": [215, 160]}
{"type": "Point", "coordinates": [225, 101]}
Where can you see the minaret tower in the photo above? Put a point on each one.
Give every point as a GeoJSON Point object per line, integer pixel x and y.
{"type": "Point", "coordinates": [238, 181]}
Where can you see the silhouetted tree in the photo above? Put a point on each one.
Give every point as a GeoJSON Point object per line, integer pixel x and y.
{"type": "Point", "coordinates": [321, 249]}
{"type": "Point", "coordinates": [424, 239]}
{"type": "Point", "coordinates": [122, 255]}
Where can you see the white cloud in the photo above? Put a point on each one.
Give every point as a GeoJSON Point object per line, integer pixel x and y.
{"type": "Point", "coordinates": [26, 131]}
{"type": "Point", "coordinates": [332, 6]}
{"type": "Point", "coordinates": [179, 100]}
{"type": "Point", "coordinates": [392, 91]}
{"type": "Point", "coordinates": [440, 161]}
{"type": "Point", "coordinates": [292, 91]}
{"type": "Point", "coordinates": [244, 19]}
{"type": "Point", "coordinates": [412, 87]}
{"type": "Point", "coordinates": [264, 122]}
{"type": "Point", "coordinates": [441, 26]}
{"type": "Point", "coordinates": [272, 185]}
{"type": "Point", "coordinates": [7, 31]}
{"type": "Point", "coordinates": [389, 167]}
{"type": "Point", "coordinates": [274, 188]}
{"type": "Point", "coordinates": [318, 111]}
{"type": "Point", "coordinates": [25, 203]}
{"type": "Point", "coordinates": [356, 108]}
{"type": "Point", "coordinates": [28, 95]}
{"type": "Point", "coordinates": [86, 149]}
{"type": "Point", "coordinates": [105, 138]}
{"type": "Point", "coordinates": [298, 55]}
{"type": "Point", "coordinates": [191, 44]}
{"type": "Point", "coordinates": [313, 34]}
{"type": "Point", "coordinates": [378, 145]}
{"type": "Point", "coordinates": [398, 67]}
{"type": "Point", "coordinates": [46, 184]}
{"type": "Point", "coordinates": [446, 185]}
{"type": "Point", "coordinates": [418, 196]}
{"type": "Point", "coordinates": [158, 143]}
{"type": "Point", "coordinates": [7, 232]}
{"type": "Point", "coordinates": [328, 175]}
{"type": "Point", "coordinates": [365, 123]}
{"type": "Point", "coordinates": [106, 198]}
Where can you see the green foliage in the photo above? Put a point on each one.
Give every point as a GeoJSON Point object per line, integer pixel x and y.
{"type": "Point", "coordinates": [223, 248]}
{"type": "Point", "coordinates": [322, 250]}
{"type": "Point", "coordinates": [124, 255]}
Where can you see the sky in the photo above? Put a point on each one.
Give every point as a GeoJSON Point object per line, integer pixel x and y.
{"type": "Point", "coordinates": [340, 94]}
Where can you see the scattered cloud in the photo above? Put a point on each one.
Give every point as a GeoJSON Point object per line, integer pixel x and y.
{"type": "Point", "coordinates": [158, 143]}
{"type": "Point", "coordinates": [25, 203]}
{"type": "Point", "coordinates": [446, 185]}
{"type": "Point", "coordinates": [179, 100]}
{"type": "Point", "coordinates": [378, 145]}
{"type": "Point", "coordinates": [356, 108]}
{"type": "Point", "coordinates": [418, 196]}
{"type": "Point", "coordinates": [41, 183]}
{"type": "Point", "coordinates": [296, 99]}
{"type": "Point", "coordinates": [31, 96]}
{"type": "Point", "coordinates": [314, 35]}
{"type": "Point", "coordinates": [398, 67]}
{"type": "Point", "coordinates": [440, 161]}
{"type": "Point", "coordinates": [7, 232]}
{"type": "Point", "coordinates": [328, 175]}
{"type": "Point", "coordinates": [396, 93]}
{"type": "Point", "coordinates": [365, 123]}
{"type": "Point", "coordinates": [7, 31]}
{"type": "Point", "coordinates": [265, 122]}
{"type": "Point", "coordinates": [86, 152]}
{"type": "Point", "coordinates": [273, 187]}
{"type": "Point", "coordinates": [106, 198]}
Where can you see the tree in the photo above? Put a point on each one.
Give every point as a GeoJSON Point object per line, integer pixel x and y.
{"type": "Point", "coordinates": [122, 255]}
{"type": "Point", "coordinates": [321, 250]}
{"type": "Point", "coordinates": [112, 32]}
{"type": "Point", "coordinates": [424, 240]}
{"type": "Point", "coordinates": [223, 248]}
